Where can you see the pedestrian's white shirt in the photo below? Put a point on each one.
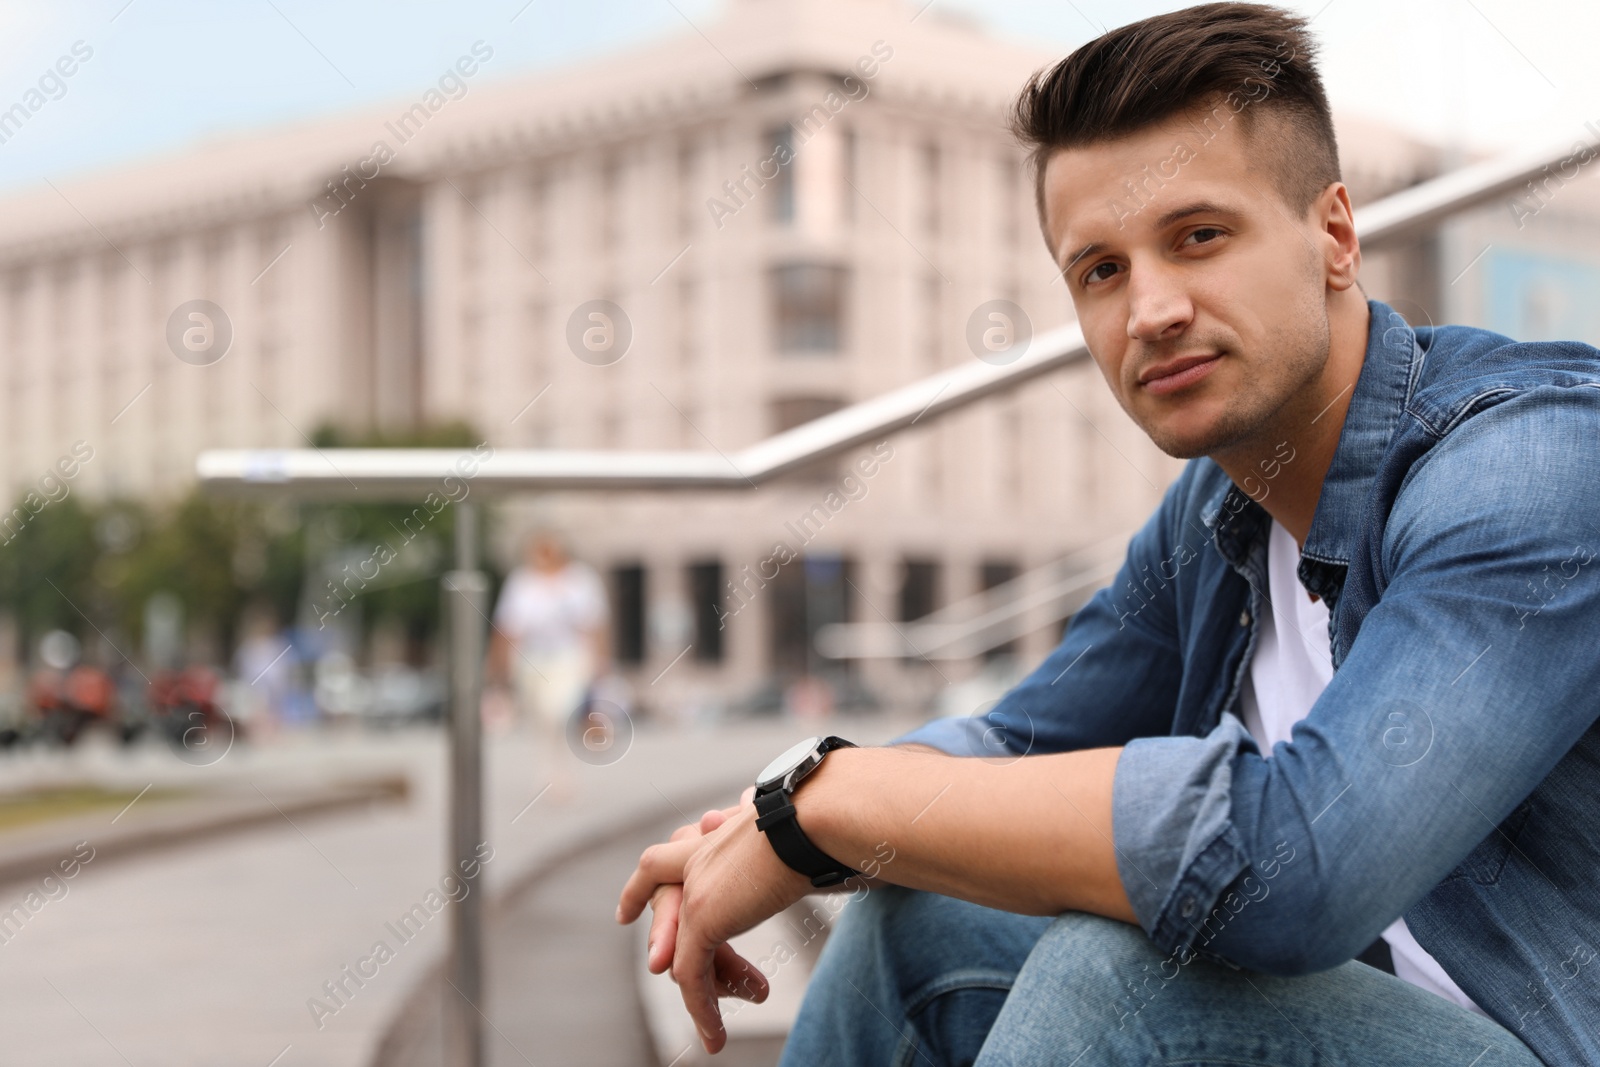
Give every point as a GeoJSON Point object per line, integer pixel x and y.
{"type": "Point", "coordinates": [548, 614]}
{"type": "Point", "coordinates": [1291, 666]}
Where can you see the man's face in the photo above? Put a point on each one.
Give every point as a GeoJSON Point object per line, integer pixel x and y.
{"type": "Point", "coordinates": [1203, 302]}
{"type": "Point", "coordinates": [544, 554]}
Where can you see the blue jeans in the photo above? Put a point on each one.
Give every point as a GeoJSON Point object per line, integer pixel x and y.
{"type": "Point", "coordinates": [914, 978]}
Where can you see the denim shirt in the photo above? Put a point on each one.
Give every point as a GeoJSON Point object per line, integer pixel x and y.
{"type": "Point", "coordinates": [1450, 771]}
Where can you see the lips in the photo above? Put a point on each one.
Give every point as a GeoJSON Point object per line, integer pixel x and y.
{"type": "Point", "coordinates": [1178, 373]}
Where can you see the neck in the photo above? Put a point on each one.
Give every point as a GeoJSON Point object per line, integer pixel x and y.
{"type": "Point", "coordinates": [1282, 468]}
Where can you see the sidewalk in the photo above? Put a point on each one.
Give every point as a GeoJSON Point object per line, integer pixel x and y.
{"type": "Point", "coordinates": [213, 954]}
{"type": "Point", "coordinates": [151, 821]}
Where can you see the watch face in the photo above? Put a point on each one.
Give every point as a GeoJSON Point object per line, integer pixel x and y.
{"type": "Point", "coordinates": [773, 772]}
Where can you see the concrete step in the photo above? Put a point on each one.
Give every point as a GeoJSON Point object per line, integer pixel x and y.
{"type": "Point", "coordinates": [566, 985]}
{"type": "Point", "coordinates": [558, 975]}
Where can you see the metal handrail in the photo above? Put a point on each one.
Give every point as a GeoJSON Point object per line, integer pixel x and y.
{"type": "Point", "coordinates": [1411, 211]}
{"type": "Point", "coordinates": [413, 472]}
{"type": "Point", "coordinates": [409, 473]}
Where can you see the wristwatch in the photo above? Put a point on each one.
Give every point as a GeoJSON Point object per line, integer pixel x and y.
{"type": "Point", "coordinates": [774, 787]}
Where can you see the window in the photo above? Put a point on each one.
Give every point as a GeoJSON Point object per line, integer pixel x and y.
{"type": "Point", "coordinates": [470, 228]}
{"type": "Point", "coordinates": [919, 589]}
{"type": "Point", "coordinates": [610, 202]}
{"type": "Point", "coordinates": [919, 592]}
{"type": "Point", "coordinates": [472, 355]}
{"type": "Point", "coordinates": [852, 178]}
{"type": "Point", "coordinates": [806, 595]}
{"type": "Point", "coordinates": [994, 573]}
{"type": "Point", "coordinates": [688, 163]}
{"type": "Point", "coordinates": [1011, 201]}
{"type": "Point", "coordinates": [688, 334]}
{"type": "Point", "coordinates": [932, 356]}
{"type": "Point", "coordinates": [808, 307]}
{"type": "Point", "coordinates": [705, 591]}
{"type": "Point", "coordinates": [777, 144]}
{"type": "Point", "coordinates": [537, 219]}
{"type": "Point", "coordinates": [628, 593]}
{"type": "Point", "coordinates": [531, 419]}
{"type": "Point", "coordinates": [1013, 418]}
{"type": "Point", "coordinates": [689, 436]}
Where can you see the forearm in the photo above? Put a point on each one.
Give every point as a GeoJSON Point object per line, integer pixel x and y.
{"type": "Point", "coordinates": [497, 667]}
{"type": "Point", "coordinates": [1029, 835]}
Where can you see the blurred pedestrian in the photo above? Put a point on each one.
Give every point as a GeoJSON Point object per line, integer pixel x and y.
{"type": "Point", "coordinates": [266, 670]}
{"type": "Point", "coordinates": [550, 644]}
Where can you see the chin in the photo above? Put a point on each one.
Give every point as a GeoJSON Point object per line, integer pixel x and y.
{"type": "Point", "coordinates": [1193, 441]}
{"type": "Point", "coordinates": [1183, 448]}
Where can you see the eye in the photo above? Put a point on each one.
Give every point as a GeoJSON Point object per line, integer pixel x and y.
{"type": "Point", "coordinates": [1093, 274]}
{"type": "Point", "coordinates": [1213, 231]}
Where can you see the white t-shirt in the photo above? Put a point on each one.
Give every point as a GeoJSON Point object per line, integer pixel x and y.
{"type": "Point", "coordinates": [548, 614]}
{"type": "Point", "coordinates": [1291, 666]}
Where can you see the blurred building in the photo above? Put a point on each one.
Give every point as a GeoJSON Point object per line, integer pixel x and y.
{"type": "Point", "coordinates": [798, 206]}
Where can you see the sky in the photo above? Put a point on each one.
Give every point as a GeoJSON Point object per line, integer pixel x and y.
{"type": "Point", "coordinates": [163, 74]}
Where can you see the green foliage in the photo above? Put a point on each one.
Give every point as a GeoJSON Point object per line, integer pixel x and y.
{"type": "Point", "coordinates": [212, 554]}
{"type": "Point", "coordinates": [46, 566]}
{"type": "Point", "coordinates": [87, 567]}
{"type": "Point", "coordinates": [356, 539]}
{"type": "Point", "coordinates": [442, 435]}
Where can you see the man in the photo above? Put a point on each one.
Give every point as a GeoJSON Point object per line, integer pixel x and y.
{"type": "Point", "coordinates": [550, 641]}
{"type": "Point", "coordinates": [1339, 701]}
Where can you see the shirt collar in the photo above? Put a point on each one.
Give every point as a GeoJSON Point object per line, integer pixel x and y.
{"type": "Point", "coordinates": [1392, 360]}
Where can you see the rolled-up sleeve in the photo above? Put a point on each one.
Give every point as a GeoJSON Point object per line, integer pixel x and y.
{"type": "Point", "coordinates": [954, 735]}
{"type": "Point", "coordinates": [1471, 677]}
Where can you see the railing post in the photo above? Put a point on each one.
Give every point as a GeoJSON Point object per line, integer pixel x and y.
{"type": "Point", "coordinates": [467, 595]}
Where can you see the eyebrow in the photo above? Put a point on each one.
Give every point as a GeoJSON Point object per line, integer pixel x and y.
{"type": "Point", "coordinates": [1199, 207]}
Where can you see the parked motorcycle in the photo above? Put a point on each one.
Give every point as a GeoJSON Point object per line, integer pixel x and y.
{"type": "Point", "coordinates": [184, 708]}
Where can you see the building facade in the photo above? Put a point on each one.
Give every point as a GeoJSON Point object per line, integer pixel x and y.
{"type": "Point", "coordinates": [691, 245]}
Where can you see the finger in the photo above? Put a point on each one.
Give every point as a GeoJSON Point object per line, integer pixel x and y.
{"type": "Point", "coordinates": [658, 865]}
{"type": "Point", "coordinates": [692, 970]}
{"type": "Point", "coordinates": [711, 820]}
{"type": "Point", "coordinates": [737, 976]}
{"type": "Point", "coordinates": [688, 830]}
{"type": "Point", "coordinates": [663, 928]}
{"type": "Point", "coordinates": [748, 796]}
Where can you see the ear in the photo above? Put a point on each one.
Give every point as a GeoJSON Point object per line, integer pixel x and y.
{"type": "Point", "coordinates": [1336, 226]}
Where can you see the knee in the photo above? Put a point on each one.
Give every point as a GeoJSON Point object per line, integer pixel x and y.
{"type": "Point", "coordinates": [1093, 946]}
{"type": "Point", "coordinates": [914, 935]}
{"type": "Point", "coordinates": [907, 930]}
{"type": "Point", "coordinates": [912, 923]}
{"type": "Point", "coordinates": [1110, 967]}
{"type": "Point", "coordinates": [1086, 985]}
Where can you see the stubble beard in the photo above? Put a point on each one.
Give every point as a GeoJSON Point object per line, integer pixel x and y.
{"type": "Point", "coordinates": [1265, 401]}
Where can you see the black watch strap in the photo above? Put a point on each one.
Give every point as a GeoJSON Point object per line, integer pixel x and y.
{"type": "Point", "coordinates": [777, 820]}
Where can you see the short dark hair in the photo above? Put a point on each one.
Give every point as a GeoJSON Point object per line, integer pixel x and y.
{"type": "Point", "coordinates": [1215, 54]}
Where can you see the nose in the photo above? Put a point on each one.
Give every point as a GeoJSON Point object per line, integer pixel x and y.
{"type": "Point", "coordinates": [1159, 307]}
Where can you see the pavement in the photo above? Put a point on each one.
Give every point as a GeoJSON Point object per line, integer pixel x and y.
{"type": "Point", "coordinates": [35, 850]}
{"type": "Point", "coordinates": [222, 951]}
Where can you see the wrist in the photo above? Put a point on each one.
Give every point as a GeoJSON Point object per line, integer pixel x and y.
{"type": "Point", "coordinates": [825, 806]}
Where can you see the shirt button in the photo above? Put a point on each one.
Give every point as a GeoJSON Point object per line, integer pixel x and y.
{"type": "Point", "coordinates": [1244, 618]}
{"type": "Point", "coordinates": [1187, 909]}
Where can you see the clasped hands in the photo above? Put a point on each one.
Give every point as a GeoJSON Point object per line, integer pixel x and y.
{"type": "Point", "coordinates": [710, 881]}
